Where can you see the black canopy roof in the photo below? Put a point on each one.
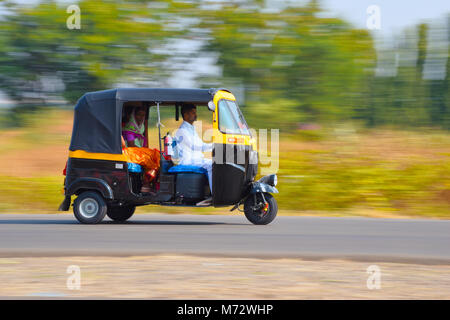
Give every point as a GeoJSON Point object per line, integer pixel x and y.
{"type": "Point", "coordinates": [98, 115]}
{"type": "Point", "coordinates": [201, 96]}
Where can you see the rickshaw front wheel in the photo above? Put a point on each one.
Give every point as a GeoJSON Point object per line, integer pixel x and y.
{"type": "Point", "coordinates": [120, 214]}
{"type": "Point", "coordinates": [89, 207]}
{"type": "Point", "coordinates": [261, 208]}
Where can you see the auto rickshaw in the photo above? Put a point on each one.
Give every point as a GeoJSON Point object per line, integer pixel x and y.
{"type": "Point", "coordinates": [99, 174]}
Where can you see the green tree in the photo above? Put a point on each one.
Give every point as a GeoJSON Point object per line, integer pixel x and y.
{"type": "Point", "coordinates": [315, 65]}
{"type": "Point", "coordinates": [111, 46]}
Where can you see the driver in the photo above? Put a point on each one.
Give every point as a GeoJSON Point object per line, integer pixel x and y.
{"type": "Point", "coordinates": [191, 147]}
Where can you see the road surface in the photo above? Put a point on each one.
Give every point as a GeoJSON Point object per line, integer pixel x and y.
{"type": "Point", "coordinates": [363, 239]}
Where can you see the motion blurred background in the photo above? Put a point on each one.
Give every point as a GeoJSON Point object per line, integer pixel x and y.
{"type": "Point", "coordinates": [360, 95]}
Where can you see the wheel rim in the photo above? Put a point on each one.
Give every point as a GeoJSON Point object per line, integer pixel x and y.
{"type": "Point", "coordinates": [262, 212]}
{"type": "Point", "coordinates": [89, 208]}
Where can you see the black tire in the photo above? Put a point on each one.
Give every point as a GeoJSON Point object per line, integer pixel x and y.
{"type": "Point", "coordinates": [89, 207]}
{"type": "Point", "coordinates": [258, 216]}
{"type": "Point", "coordinates": [120, 214]}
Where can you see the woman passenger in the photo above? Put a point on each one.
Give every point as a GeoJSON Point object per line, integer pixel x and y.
{"type": "Point", "coordinates": [135, 146]}
{"type": "Point", "coordinates": [134, 129]}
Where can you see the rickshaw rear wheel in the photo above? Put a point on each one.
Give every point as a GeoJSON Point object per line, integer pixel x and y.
{"type": "Point", "coordinates": [120, 214]}
{"type": "Point", "coordinates": [260, 212]}
{"type": "Point", "coordinates": [89, 207]}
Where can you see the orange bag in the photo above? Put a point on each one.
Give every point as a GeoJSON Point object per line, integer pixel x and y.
{"type": "Point", "coordinates": [147, 158]}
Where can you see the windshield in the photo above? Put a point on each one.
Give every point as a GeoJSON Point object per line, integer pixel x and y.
{"type": "Point", "coordinates": [231, 119]}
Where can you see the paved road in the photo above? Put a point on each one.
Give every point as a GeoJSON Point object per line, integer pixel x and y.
{"type": "Point", "coordinates": [424, 241]}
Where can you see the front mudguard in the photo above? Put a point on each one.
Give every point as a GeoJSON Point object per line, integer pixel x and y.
{"type": "Point", "coordinates": [255, 187]}
{"type": "Point", "coordinates": [258, 187]}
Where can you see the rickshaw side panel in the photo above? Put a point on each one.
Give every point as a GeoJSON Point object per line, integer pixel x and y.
{"type": "Point", "coordinates": [104, 176]}
{"type": "Point", "coordinates": [232, 173]}
{"type": "Point", "coordinates": [227, 184]}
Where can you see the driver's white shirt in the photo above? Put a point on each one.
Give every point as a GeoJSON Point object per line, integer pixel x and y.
{"type": "Point", "coordinates": [190, 146]}
{"type": "Point", "coordinates": [190, 149]}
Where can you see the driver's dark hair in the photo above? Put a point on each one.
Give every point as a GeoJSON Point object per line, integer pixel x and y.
{"type": "Point", "coordinates": [187, 107]}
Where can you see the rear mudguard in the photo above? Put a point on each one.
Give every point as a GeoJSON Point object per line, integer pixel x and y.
{"type": "Point", "coordinates": [90, 184]}
{"type": "Point", "coordinates": [65, 205]}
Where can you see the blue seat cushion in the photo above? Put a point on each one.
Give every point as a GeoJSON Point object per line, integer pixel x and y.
{"type": "Point", "coordinates": [134, 167]}
{"type": "Point", "coordinates": [183, 168]}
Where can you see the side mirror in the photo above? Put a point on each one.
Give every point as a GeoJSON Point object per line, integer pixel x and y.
{"type": "Point", "coordinates": [211, 106]}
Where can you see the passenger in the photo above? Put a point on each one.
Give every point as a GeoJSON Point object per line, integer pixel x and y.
{"type": "Point", "coordinates": [134, 144]}
{"type": "Point", "coordinates": [191, 147]}
{"type": "Point", "coordinates": [134, 130]}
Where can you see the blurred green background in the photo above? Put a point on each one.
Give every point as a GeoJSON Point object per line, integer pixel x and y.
{"type": "Point", "coordinates": [364, 128]}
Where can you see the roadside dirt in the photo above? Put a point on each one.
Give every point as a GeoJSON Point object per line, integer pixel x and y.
{"type": "Point", "coordinates": [194, 277]}
{"type": "Point", "coordinates": [44, 161]}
